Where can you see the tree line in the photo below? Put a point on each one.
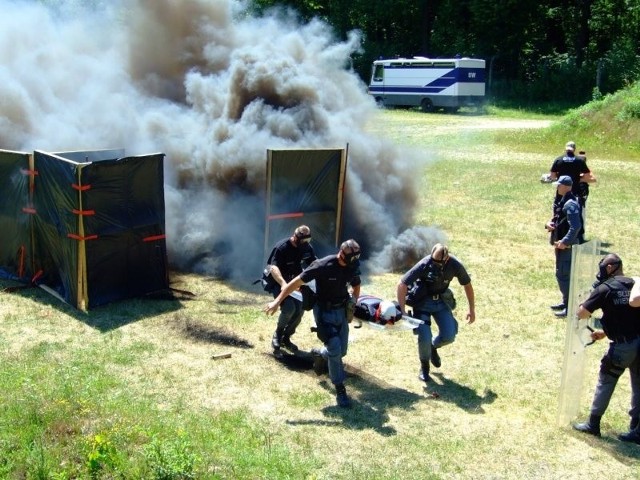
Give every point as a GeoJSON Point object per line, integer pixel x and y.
{"type": "Point", "coordinates": [567, 51]}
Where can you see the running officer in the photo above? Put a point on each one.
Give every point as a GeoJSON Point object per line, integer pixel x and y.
{"type": "Point", "coordinates": [429, 281]}
{"type": "Point", "coordinates": [333, 275]}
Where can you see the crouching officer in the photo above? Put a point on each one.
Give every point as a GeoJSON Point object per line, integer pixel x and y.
{"type": "Point", "coordinates": [621, 324]}
{"type": "Point", "coordinates": [332, 275]}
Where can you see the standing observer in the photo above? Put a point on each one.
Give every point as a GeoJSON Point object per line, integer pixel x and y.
{"type": "Point", "coordinates": [288, 257]}
{"type": "Point", "coordinates": [621, 324]}
{"type": "Point", "coordinates": [333, 275]}
{"type": "Point", "coordinates": [565, 229]}
{"type": "Point", "coordinates": [429, 282]}
{"type": "Point", "coordinates": [574, 165]}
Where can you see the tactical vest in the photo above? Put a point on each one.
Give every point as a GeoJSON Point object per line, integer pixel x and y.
{"type": "Point", "coordinates": [560, 218]}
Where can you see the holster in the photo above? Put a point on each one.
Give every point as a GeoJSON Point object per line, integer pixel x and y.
{"type": "Point", "coordinates": [350, 310]}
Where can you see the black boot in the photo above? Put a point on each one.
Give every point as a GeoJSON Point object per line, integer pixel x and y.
{"type": "Point", "coordinates": [288, 344]}
{"type": "Point", "coordinates": [341, 397]}
{"type": "Point", "coordinates": [592, 426]}
{"type": "Point", "coordinates": [632, 436]}
{"type": "Point", "coordinates": [277, 339]}
{"type": "Point", "coordinates": [435, 358]}
{"type": "Point", "coordinates": [424, 372]}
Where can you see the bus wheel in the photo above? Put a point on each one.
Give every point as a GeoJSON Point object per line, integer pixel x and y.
{"type": "Point", "coordinates": [426, 105]}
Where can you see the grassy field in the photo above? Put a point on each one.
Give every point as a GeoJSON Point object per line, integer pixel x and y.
{"type": "Point", "coordinates": [133, 390]}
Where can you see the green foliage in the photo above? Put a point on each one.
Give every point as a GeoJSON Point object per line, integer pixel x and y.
{"type": "Point", "coordinates": [596, 95]}
{"type": "Point", "coordinates": [545, 51]}
{"type": "Point", "coordinates": [101, 455]}
{"type": "Point", "coordinates": [170, 459]}
{"type": "Point", "coordinates": [71, 418]}
{"type": "Point", "coordinates": [609, 124]}
{"type": "Point", "coordinates": [629, 111]}
{"type": "Point", "coordinates": [621, 65]}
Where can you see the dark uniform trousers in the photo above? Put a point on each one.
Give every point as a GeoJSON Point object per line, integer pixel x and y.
{"type": "Point", "coordinates": [623, 353]}
{"type": "Point", "coordinates": [333, 331]}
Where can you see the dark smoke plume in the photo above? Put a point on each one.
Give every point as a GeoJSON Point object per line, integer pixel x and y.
{"type": "Point", "coordinates": [213, 88]}
{"type": "Point", "coordinates": [403, 251]}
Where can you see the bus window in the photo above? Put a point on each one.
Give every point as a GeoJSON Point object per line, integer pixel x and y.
{"type": "Point", "coordinates": [378, 73]}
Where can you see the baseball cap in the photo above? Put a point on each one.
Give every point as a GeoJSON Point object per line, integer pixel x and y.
{"type": "Point", "coordinates": [570, 146]}
{"type": "Point", "coordinates": [564, 180]}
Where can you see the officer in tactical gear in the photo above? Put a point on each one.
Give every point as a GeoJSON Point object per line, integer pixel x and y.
{"type": "Point", "coordinates": [288, 257]}
{"type": "Point", "coordinates": [621, 324]}
{"type": "Point", "coordinates": [429, 281]}
{"type": "Point", "coordinates": [565, 229]}
{"type": "Point", "coordinates": [332, 274]}
{"type": "Point", "coordinates": [574, 165]}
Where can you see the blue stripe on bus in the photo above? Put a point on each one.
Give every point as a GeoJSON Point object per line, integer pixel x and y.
{"type": "Point", "coordinates": [386, 89]}
{"type": "Point", "coordinates": [460, 75]}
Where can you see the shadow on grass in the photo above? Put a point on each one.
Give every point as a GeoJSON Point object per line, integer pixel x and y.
{"type": "Point", "coordinates": [626, 453]}
{"type": "Point", "coordinates": [200, 331]}
{"type": "Point", "coordinates": [119, 313]}
{"type": "Point", "coordinates": [371, 397]}
{"type": "Point", "coordinates": [302, 361]}
{"type": "Point", "coordinates": [462, 396]}
{"type": "Point", "coordinates": [103, 317]}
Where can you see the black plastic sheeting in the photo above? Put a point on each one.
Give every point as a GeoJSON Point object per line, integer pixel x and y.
{"type": "Point", "coordinates": [305, 190]}
{"type": "Point", "coordinates": [15, 221]}
{"type": "Point", "coordinates": [114, 206]}
{"type": "Point", "coordinates": [129, 256]}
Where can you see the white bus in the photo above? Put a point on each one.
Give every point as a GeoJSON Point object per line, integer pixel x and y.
{"type": "Point", "coordinates": [429, 83]}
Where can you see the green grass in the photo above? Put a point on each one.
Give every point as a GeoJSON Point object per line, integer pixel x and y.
{"type": "Point", "coordinates": [608, 128]}
{"type": "Point", "coordinates": [75, 420]}
{"type": "Point", "coordinates": [131, 390]}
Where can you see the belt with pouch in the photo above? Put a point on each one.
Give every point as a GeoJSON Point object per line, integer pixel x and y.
{"type": "Point", "coordinates": [332, 305]}
{"type": "Point", "coordinates": [628, 339]}
{"type": "Point", "coordinates": [431, 296]}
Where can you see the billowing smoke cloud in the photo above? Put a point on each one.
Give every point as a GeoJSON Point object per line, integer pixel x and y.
{"type": "Point", "coordinates": [212, 88]}
{"type": "Point", "coordinates": [406, 249]}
